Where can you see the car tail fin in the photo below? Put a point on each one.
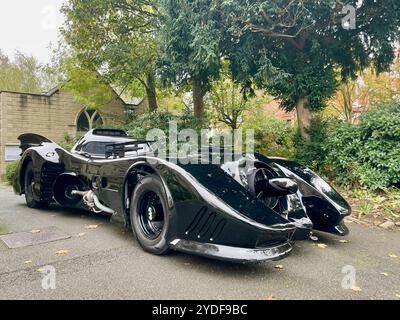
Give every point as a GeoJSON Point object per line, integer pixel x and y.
{"type": "Point", "coordinates": [31, 140]}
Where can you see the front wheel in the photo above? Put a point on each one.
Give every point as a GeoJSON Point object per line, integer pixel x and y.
{"type": "Point", "coordinates": [150, 215]}
{"type": "Point", "coordinates": [29, 182]}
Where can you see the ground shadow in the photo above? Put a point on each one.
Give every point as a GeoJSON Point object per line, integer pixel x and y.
{"type": "Point", "coordinates": [70, 212]}
{"type": "Point", "coordinates": [202, 264]}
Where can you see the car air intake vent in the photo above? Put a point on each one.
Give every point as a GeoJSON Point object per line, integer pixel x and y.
{"type": "Point", "coordinates": [50, 171]}
{"type": "Point", "coordinates": [206, 225]}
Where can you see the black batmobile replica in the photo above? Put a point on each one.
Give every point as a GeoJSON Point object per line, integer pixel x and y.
{"type": "Point", "coordinates": [229, 211]}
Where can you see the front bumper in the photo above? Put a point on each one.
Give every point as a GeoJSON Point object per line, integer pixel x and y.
{"type": "Point", "coordinates": [232, 254]}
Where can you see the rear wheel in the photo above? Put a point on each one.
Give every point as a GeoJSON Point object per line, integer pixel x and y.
{"type": "Point", "coordinates": [150, 215]}
{"type": "Point", "coordinates": [29, 182]}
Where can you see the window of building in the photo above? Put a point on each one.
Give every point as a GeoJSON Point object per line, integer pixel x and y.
{"type": "Point", "coordinates": [12, 152]}
{"type": "Point", "coordinates": [88, 120]}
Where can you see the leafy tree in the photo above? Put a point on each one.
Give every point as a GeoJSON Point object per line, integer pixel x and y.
{"type": "Point", "coordinates": [228, 102]}
{"type": "Point", "coordinates": [367, 90]}
{"type": "Point", "coordinates": [191, 46]}
{"type": "Point", "coordinates": [297, 50]}
{"type": "Point", "coordinates": [87, 86]}
{"type": "Point", "coordinates": [342, 103]}
{"type": "Point", "coordinates": [116, 38]}
{"type": "Point", "coordinates": [25, 74]}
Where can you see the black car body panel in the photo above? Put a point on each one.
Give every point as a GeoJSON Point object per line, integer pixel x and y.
{"type": "Point", "coordinates": [213, 211]}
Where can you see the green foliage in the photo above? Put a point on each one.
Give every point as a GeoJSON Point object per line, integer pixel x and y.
{"type": "Point", "coordinates": [191, 38]}
{"type": "Point", "coordinates": [227, 101]}
{"type": "Point", "coordinates": [68, 141]}
{"type": "Point", "coordinates": [367, 154]}
{"type": "Point", "coordinates": [119, 39]}
{"type": "Point", "coordinates": [139, 124]}
{"type": "Point", "coordinates": [87, 86]}
{"type": "Point", "coordinates": [297, 49]}
{"type": "Point", "coordinates": [25, 74]}
{"type": "Point", "coordinates": [385, 203]}
{"type": "Point", "coordinates": [311, 152]}
{"type": "Point", "coordinates": [11, 170]}
{"type": "Point", "coordinates": [364, 209]}
{"type": "Point", "coordinates": [272, 136]}
{"type": "Point", "coordinates": [3, 229]}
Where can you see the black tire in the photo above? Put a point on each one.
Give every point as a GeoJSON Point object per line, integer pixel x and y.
{"type": "Point", "coordinates": [28, 187]}
{"type": "Point", "coordinates": [149, 215]}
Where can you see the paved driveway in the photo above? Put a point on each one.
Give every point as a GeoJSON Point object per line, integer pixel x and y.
{"type": "Point", "coordinates": [106, 262]}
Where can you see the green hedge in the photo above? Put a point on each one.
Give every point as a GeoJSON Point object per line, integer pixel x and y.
{"type": "Point", "coordinates": [11, 170]}
{"type": "Point", "coordinates": [312, 152]}
{"type": "Point", "coordinates": [272, 136]}
{"type": "Point", "coordinates": [367, 154]}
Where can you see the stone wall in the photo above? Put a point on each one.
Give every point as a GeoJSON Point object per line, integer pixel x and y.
{"type": "Point", "coordinates": [51, 115]}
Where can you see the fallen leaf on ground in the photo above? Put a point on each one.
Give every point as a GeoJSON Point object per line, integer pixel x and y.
{"type": "Point", "coordinates": [92, 226]}
{"type": "Point", "coordinates": [62, 251]}
{"type": "Point", "coordinates": [385, 274]}
{"type": "Point", "coordinates": [392, 255]}
{"type": "Point", "coordinates": [344, 241]}
{"type": "Point", "coordinates": [279, 266]}
{"type": "Point", "coordinates": [270, 297]}
{"type": "Point", "coordinates": [34, 231]}
{"type": "Point", "coordinates": [356, 289]}
{"type": "Point", "coordinates": [28, 261]}
{"type": "Point", "coordinates": [40, 270]}
{"type": "Point", "coordinates": [321, 245]}
{"type": "Point", "coordinates": [81, 234]}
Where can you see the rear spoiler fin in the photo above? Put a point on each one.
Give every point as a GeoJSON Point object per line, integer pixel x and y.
{"type": "Point", "coordinates": [29, 140]}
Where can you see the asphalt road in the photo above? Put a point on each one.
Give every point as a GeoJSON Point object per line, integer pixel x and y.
{"type": "Point", "coordinates": [107, 263]}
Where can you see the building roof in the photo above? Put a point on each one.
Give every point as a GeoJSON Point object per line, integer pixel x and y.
{"type": "Point", "coordinates": [132, 103]}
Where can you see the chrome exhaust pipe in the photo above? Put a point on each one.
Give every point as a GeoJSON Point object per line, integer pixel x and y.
{"type": "Point", "coordinates": [93, 202]}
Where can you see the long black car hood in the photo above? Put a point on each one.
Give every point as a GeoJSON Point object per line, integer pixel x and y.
{"type": "Point", "coordinates": [223, 184]}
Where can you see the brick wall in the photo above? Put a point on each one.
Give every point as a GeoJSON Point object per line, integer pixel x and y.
{"type": "Point", "coordinates": [49, 115]}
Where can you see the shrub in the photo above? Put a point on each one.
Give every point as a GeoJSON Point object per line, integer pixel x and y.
{"type": "Point", "coordinates": [311, 152]}
{"type": "Point", "coordinates": [367, 154]}
{"type": "Point", "coordinates": [11, 170]}
{"type": "Point", "coordinates": [272, 136]}
{"type": "Point", "coordinates": [68, 141]}
{"type": "Point", "coordinates": [140, 124]}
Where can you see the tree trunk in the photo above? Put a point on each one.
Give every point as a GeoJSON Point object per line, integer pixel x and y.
{"type": "Point", "coordinates": [198, 99]}
{"type": "Point", "coordinates": [151, 92]}
{"type": "Point", "coordinates": [304, 116]}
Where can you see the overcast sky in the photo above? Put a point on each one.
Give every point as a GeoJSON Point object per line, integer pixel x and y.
{"type": "Point", "coordinates": [30, 26]}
